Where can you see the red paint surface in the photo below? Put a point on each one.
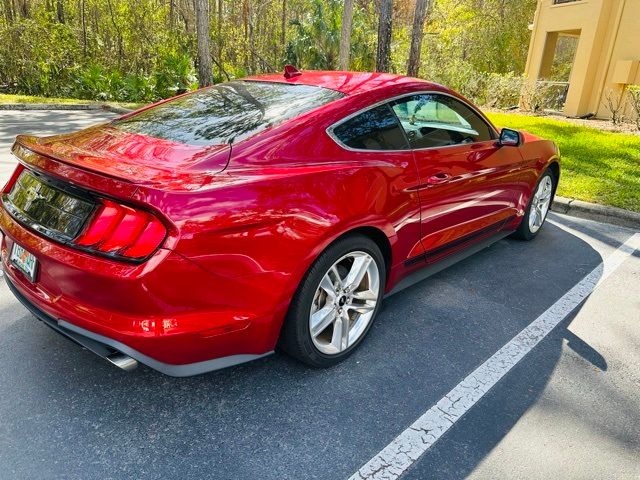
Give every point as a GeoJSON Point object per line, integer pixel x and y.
{"type": "Point", "coordinates": [240, 238]}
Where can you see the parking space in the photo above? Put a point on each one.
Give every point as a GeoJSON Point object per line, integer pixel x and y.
{"type": "Point", "coordinates": [570, 403]}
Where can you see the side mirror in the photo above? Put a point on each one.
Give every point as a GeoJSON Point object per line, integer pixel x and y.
{"type": "Point", "coordinates": [510, 138]}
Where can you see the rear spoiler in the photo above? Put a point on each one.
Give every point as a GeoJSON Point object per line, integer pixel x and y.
{"type": "Point", "coordinates": [32, 156]}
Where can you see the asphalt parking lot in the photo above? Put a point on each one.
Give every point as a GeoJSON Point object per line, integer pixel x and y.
{"type": "Point", "coordinates": [567, 409]}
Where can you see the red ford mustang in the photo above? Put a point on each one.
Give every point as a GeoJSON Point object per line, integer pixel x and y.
{"type": "Point", "coordinates": [206, 230]}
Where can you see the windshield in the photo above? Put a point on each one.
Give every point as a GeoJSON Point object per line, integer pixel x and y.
{"type": "Point", "coordinates": [228, 112]}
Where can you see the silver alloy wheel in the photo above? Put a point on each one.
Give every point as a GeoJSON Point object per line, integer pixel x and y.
{"type": "Point", "coordinates": [540, 204]}
{"type": "Point", "coordinates": [344, 302]}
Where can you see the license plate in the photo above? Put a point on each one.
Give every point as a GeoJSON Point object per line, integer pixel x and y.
{"type": "Point", "coordinates": [24, 261]}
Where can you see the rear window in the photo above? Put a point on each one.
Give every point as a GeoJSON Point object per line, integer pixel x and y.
{"type": "Point", "coordinates": [227, 112]}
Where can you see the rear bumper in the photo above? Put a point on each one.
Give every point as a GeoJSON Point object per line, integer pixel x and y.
{"type": "Point", "coordinates": [168, 313]}
{"type": "Point", "coordinates": [119, 354]}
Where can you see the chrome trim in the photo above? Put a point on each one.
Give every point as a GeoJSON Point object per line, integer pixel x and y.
{"type": "Point", "coordinates": [330, 128]}
{"type": "Point", "coordinates": [122, 361]}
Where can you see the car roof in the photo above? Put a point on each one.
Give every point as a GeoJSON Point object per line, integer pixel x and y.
{"type": "Point", "coordinates": [349, 83]}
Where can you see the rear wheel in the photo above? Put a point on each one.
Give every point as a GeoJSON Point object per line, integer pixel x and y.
{"type": "Point", "coordinates": [538, 208]}
{"type": "Point", "coordinates": [336, 302]}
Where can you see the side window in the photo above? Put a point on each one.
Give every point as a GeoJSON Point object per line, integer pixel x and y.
{"type": "Point", "coordinates": [432, 120]}
{"type": "Point", "coordinates": [374, 129]}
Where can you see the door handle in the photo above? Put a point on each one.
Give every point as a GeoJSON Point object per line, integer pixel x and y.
{"type": "Point", "coordinates": [438, 178]}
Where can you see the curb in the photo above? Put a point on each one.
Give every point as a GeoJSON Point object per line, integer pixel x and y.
{"type": "Point", "coordinates": [64, 106]}
{"type": "Point", "coordinates": [599, 213]}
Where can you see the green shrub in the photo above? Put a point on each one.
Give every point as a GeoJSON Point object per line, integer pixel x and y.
{"type": "Point", "coordinates": [37, 58]}
{"type": "Point", "coordinates": [503, 91]}
{"type": "Point", "coordinates": [316, 43]}
{"type": "Point", "coordinates": [482, 88]}
{"type": "Point", "coordinates": [94, 82]}
{"type": "Point", "coordinates": [633, 93]}
{"type": "Point", "coordinates": [132, 57]}
{"type": "Point", "coordinates": [138, 88]}
{"type": "Point", "coordinates": [174, 74]}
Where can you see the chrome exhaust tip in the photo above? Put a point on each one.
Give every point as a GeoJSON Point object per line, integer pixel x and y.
{"type": "Point", "coordinates": [120, 360]}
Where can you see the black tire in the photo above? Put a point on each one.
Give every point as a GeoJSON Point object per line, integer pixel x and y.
{"type": "Point", "coordinates": [295, 338]}
{"type": "Point", "coordinates": [524, 231]}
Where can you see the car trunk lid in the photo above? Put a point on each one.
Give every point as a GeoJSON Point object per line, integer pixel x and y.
{"type": "Point", "coordinates": [132, 157]}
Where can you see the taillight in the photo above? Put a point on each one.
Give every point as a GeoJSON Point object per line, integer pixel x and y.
{"type": "Point", "coordinates": [122, 231]}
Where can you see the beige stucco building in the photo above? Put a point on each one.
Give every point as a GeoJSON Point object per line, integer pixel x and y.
{"type": "Point", "coordinates": [607, 52]}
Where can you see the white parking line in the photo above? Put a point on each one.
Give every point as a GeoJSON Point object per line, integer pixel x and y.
{"type": "Point", "coordinates": [407, 447]}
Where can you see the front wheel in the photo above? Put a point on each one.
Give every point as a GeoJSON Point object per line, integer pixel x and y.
{"type": "Point", "coordinates": [538, 208]}
{"type": "Point", "coordinates": [336, 302]}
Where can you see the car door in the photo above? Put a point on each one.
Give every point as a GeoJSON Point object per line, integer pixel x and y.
{"type": "Point", "coordinates": [374, 137]}
{"type": "Point", "coordinates": [468, 182]}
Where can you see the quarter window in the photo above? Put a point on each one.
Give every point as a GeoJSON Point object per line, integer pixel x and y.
{"type": "Point", "coordinates": [432, 120]}
{"type": "Point", "coordinates": [374, 129]}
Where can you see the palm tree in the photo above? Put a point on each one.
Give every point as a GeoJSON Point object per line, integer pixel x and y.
{"type": "Point", "coordinates": [316, 43]}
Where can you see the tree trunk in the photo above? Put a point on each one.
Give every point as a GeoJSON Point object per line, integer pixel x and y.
{"type": "Point", "coordinates": [84, 27]}
{"type": "Point", "coordinates": [219, 41]}
{"type": "Point", "coordinates": [116, 27]}
{"type": "Point", "coordinates": [60, 11]}
{"type": "Point", "coordinates": [251, 38]}
{"type": "Point", "coordinates": [219, 22]}
{"type": "Point", "coordinates": [384, 36]}
{"type": "Point", "coordinates": [345, 34]}
{"type": "Point", "coordinates": [8, 11]}
{"type": "Point", "coordinates": [187, 14]}
{"type": "Point", "coordinates": [245, 24]}
{"type": "Point", "coordinates": [204, 54]}
{"type": "Point", "coordinates": [419, 16]}
{"type": "Point", "coordinates": [283, 27]}
{"type": "Point", "coordinates": [23, 8]}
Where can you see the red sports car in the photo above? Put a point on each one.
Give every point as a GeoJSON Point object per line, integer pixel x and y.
{"type": "Point", "coordinates": [206, 230]}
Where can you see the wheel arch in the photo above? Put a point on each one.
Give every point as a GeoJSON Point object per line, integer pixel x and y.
{"type": "Point", "coordinates": [373, 233]}
{"type": "Point", "coordinates": [379, 238]}
{"type": "Point", "coordinates": [554, 166]}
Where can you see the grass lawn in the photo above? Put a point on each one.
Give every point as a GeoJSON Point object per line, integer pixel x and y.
{"type": "Point", "coordinates": [597, 166]}
{"type": "Point", "coordinates": [5, 98]}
